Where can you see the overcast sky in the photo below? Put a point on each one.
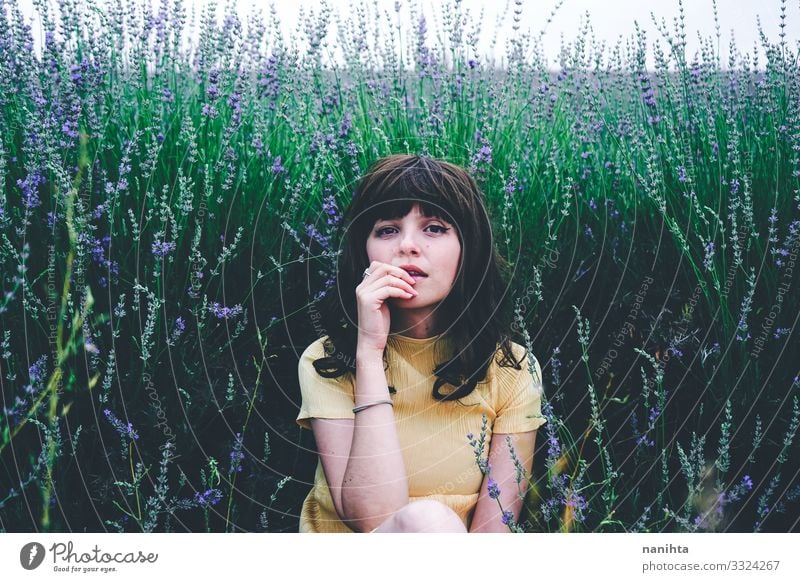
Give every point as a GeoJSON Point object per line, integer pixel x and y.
{"type": "Point", "coordinates": [610, 19]}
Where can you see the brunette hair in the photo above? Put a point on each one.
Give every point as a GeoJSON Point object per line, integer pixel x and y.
{"type": "Point", "coordinates": [476, 309]}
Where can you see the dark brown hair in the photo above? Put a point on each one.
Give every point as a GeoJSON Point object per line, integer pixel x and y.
{"type": "Point", "coordinates": [476, 310]}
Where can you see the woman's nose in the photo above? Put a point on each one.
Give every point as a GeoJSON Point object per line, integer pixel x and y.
{"type": "Point", "coordinates": [408, 244]}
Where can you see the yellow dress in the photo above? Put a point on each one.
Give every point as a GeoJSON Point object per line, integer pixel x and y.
{"type": "Point", "coordinates": [439, 461]}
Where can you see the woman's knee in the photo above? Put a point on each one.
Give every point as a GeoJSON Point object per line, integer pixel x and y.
{"type": "Point", "coordinates": [428, 515]}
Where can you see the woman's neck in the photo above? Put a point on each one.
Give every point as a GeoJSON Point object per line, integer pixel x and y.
{"type": "Point", "coordinates": [417, 326]}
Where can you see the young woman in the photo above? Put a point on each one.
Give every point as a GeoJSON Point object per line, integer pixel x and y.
{"type": "Point", "coordinates": [415, 350]}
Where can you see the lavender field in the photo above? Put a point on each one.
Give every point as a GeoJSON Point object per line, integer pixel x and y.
{"type": "Point", "coordinates": [168, 233]}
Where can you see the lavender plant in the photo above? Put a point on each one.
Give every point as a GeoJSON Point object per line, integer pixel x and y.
{"type": "Point", "coordinates": [169, 218]}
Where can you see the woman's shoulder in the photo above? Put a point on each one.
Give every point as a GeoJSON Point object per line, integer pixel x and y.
{"type": "Point", "coordinates": [315, 350]}
{"type": "Point", "coordinates": [519, 352]}
{"type": "Point", "coordinates": [523, 358]}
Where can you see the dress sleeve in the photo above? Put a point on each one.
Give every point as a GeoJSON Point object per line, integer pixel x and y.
{"type": "Point", "coordinates": [519, 407]}
{"type": "Point", "coordinates": [322, 397]}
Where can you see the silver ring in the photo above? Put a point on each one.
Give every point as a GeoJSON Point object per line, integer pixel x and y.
{"type": "Point", "coordinates": [366, 273]}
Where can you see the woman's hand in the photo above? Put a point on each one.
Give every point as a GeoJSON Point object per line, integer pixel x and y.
{"type": "Point", "coordinates": [384, 282]}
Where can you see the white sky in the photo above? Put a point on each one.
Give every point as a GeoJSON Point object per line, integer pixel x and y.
{"type": "Point", "coordinates": [610, 19]}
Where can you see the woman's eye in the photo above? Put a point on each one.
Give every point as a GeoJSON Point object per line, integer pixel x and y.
{"type": "Point", "coordinates": [442, 229]}
{"type": "Point", "coordinates": [388, 229]}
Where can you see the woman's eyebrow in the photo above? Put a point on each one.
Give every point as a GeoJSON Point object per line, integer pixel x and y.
{"type": "Point", "coordinates": [422, 219]}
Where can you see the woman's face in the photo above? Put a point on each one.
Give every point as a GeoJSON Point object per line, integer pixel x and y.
{"type": "Point", "coordinates": [430, 244]}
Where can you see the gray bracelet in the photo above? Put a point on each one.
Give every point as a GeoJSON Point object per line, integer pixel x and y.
{"type": "Point", "coordinates": [365, 406]}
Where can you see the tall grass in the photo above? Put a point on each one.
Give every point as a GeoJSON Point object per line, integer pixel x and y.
{"type": "Point", "coordinates": [169, 218]}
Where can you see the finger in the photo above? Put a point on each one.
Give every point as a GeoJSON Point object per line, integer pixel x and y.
{"type": "Point", "coordinates": [388, 286]}
{"type": "Point", "coordinates": [403, 274]}
{"type": "Point", "coordinates": [381, 268]}
{"type": "Point", "coordinates": [392, 280]}
{"type": "Point", "coordinates": [388, 292]}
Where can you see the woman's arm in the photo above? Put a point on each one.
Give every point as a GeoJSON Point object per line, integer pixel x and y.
{"type": "Point", "coordinates": [375, 484]}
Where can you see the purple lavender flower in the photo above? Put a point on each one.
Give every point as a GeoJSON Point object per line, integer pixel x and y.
{"type": "Point", "coordinates": [208, 497]}
{"type": "Point", "coordinates": [508, 517]}
{"type": "Point", "coordinates": [681, 174]}
{"type": "Point", "coordinates": [493, 488]}
{"type": "Point", "coordinates": [277, 168]}
{"type": "Point", "coordinates": [331, 209]}
{"type": "Point", "coordinates": [773, 216]}
{"type": "Point", "coordinates": [346, 125]}
{"type": "Point", "coordinates": [36, 373]}
{"type": "Point", "coordinates": [268, 80]}
{"type": "Point", "coordinates": [177, 330]}
{"type": "Point", "coordinates": [16, 412]}
{"type": "Point", "coordinates": [422, 27]}
{"type": "Point", "coordinates": [553, 444]}
{"type": "Point", "coordinates": [577, 503]}
{"type": "Point", "coordinates": [780, 332]}
{"type": "Point", "coordinates": [162, 249]}
{"type": "Point", "coordinates": [30, 187]}
{"type": "Point", "coordinates": [708, 261]}
{"type": "Point", "coordinates": [70, 129]}
{"type": "Point", "coordinates": [314, 234]}
{"type": "Point", "coordinates": [98, 211]}
{"type": "Point", "coordinates": [236, 455]}
{"type": "Point", "coordinates": [125, 431]}
{"type": "Point", "coordinates": [649, 97]}
{"type": "Point", "coordinates": [643, 439]}
{"type": "Point", "coordinates": [548, 508]}
{"type": "Point", "coordinates": [75, 74]}
{"type": "Point", "coordinates": [224, 312]}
